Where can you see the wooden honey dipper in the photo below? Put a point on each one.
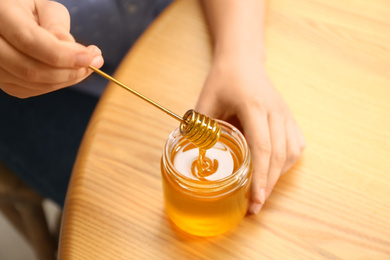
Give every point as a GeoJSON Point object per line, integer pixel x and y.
{"type": "Point", "coordinates": [197, 128]}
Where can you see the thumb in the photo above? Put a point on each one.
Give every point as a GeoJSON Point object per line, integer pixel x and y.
{"type": "Point", "coordinates": [206, 105]}
{"type": "Point", "coordinates": [210, 102]}
{"type": "Point", "coordinates": [55, 18]}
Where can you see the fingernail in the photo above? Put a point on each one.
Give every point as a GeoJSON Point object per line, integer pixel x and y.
{"type": "Point", "coordinates": [97, 51]}
{"type": "Point", "coordinates": [262, 196]}
{"type": "Point", "coordinates": [97, 61]}
{"type": "Point", "coordinates": [82, 60]}
{"type": "Point", "coordinates": [255, 208]}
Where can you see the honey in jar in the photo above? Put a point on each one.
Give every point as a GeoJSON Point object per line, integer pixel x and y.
{"type": "Point", "coordinates": [206, 195]}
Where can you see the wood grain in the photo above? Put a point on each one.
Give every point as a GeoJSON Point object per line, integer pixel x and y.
{"type": "Point", "coordinates": [329, 60]}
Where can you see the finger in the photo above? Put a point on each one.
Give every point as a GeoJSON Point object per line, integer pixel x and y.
{"type": "Point", "coordinates": [18, 91]}
{"type": "Point", "coordinates": [279, 150]}
{"type": "Point", "coordinates": [39, 87]}
{"type": "Point", "coordinates": [25, 68]}
{"type": "Point", "coordinates": [258, 137]}
{"type": "Point", "coordinates": [54, 17]}
{"type": "Point", "coordinates": [206, 104]}
{"type": "Point", "coordinates": [28, 37]}
{"type": "Point", "coordinates": [294, 145]}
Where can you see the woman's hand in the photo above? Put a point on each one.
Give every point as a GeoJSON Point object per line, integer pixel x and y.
{"type": "Point", "coordinates": [239, 91]}
{"type": "Point", "coordinates": [37, 52]}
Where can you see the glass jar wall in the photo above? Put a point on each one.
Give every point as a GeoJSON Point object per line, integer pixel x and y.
{"type": "Point", "coordinates": [213, 204]}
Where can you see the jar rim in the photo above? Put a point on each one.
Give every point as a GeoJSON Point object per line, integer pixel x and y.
{"type": "Point", "coordinates": [240, 142]}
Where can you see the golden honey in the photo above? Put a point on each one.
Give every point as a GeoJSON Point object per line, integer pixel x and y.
{"type": "Point", "coordinates": [206, 196]}
{"type": "Point", "coordinates": [199, 129]}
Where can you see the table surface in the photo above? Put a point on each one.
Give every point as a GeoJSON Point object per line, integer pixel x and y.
{"type": "Point", "coordinates": [329, 60]}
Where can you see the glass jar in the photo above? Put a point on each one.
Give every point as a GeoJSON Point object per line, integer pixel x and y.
{"type": "Point", "coordinates": [212, 205]}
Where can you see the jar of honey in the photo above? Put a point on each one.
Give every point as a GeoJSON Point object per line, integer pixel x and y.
{"type": "Point", "coordinates": [207, 197]}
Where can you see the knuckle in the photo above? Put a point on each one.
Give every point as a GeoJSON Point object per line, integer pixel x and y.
{"type": "Point", "coordinates": [27, 43]}
{"type": "Point", "coordinates": [263, 147]}
{"type": "Point", "coordinates": [260, 179]}
{"type": "Point", "coordinates": [24, 38]}
{"type": "Point", "coordinates": [295, 154]}
{"type": "Point", "coordinates": [256, 190]}
{"type": "Point", "coordinates": [254, 103]}
{"type": "Point", "coordinates": [269, 188]}
{"type": "Point", "coordinates": [30, 73]}
{"type": "Point", "coordinates": [77, 74]}
{"type": "Point", "coordinates": [280, 156]}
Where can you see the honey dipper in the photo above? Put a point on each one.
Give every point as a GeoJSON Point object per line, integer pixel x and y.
{"type": "Point", "coordinates": [197, 128]}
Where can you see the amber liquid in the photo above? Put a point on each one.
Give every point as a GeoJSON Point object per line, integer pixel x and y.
{"type": "Point", "coordinates": [211, 213]}
{"type": "Point", "coordinates": [203, 166]}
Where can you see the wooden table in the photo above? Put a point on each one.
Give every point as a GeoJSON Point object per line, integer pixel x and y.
{"type": "Point", "coordinates": [329, 59]}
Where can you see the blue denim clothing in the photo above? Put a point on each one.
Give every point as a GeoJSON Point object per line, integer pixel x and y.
{"type": "Point", "coordinates": [113, 26]}
{"type": "Point", "coordinates": [40, 136]}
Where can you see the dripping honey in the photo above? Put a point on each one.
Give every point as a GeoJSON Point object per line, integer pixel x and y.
{"type": "Point", "coordinates": [203, 166]}
{"type": "Point", "coordinates": [196, 200]}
